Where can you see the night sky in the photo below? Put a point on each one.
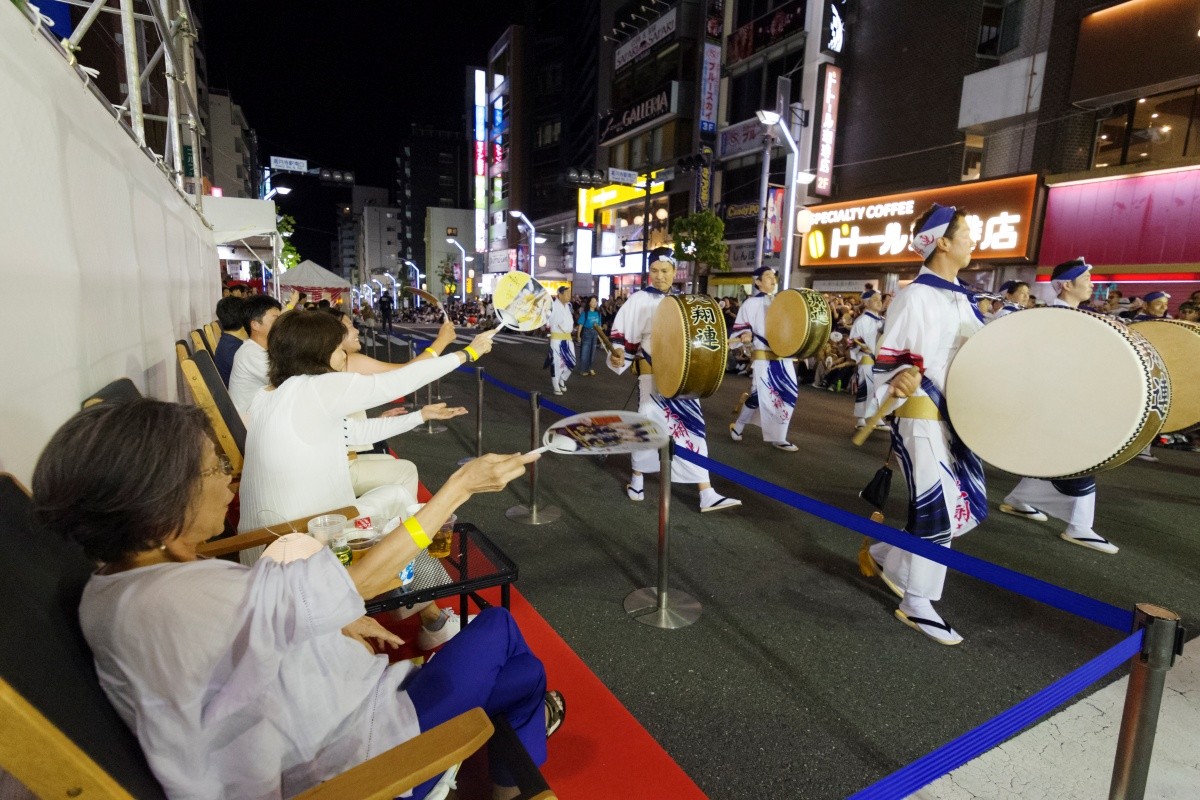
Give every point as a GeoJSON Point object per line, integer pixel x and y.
{"type": "Point", "coordinates": [338, 84]}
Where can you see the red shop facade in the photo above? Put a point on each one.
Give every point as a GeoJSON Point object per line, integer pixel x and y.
{"type": "Point", "coordinates": [1141, 232]}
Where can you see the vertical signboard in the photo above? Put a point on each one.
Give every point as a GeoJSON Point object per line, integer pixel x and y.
{"type": "Point", "coordinates": [833, 30]}
{"type": "Point", "coordinates": [704, 180]}
{"type": "Point", "coordinates": [710, 88]}
{"type": "Point", "coordinates": [479, 161]}
{"type": "Point", "coordinates": [830, 79]}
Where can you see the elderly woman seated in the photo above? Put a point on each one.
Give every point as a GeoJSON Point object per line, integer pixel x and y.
{"type": "Point", "coordinates": [255, 682]}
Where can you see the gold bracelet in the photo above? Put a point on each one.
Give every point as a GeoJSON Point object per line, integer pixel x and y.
{"type": "Point", "coordinates": [432, 352]}
{"type": "Point", "coordinates": [472, 355]}
{"type": "Point", "coordinates": [418, 534]}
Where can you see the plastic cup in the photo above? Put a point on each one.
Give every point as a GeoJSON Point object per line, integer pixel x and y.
{"type": "Point", "coordinates": [360, 541]}
{"type": "Point", "coordinates": [327, 527]}
{"type": "Point", "coordinates": [442, 540]}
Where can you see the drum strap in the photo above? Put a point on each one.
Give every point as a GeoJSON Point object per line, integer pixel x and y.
{"type": "Point", "coordinates": [866, 360]}
{"type": "Point", "coordinates": [560, 336]}
{"type": "Point", "coordinates": [919, 407]}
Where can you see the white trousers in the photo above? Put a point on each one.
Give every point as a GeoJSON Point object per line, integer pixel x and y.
{"type": "Point", "coordinates": [685, 422]}
{"type": "Point", "coordinates": [1078, 512]}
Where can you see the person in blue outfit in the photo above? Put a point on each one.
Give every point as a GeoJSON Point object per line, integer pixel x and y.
{"type": "Point", "coordinates": [586, 334]}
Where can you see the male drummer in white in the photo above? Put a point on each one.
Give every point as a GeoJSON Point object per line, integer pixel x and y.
{"type": "Point", "coordinates": [1016, 297]}
{"type": "Point", "coordinates": [683, 418]}
{"type": "Point", "coordinates": [562, 349]}
{"type": "Point", "coordinates": [1073, 500]}
{"type": "Point", "coordinates": [864, 341]}
{"type": "Point", "coordinates": [772, 399]}
{"type": "Point", "coordinates": [926, 324]}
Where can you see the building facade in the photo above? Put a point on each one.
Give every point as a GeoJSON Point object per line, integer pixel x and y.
{"type": "Point", "coordinates": [234, 146]}
{"type": "Point", "coordinates": [431, 172]}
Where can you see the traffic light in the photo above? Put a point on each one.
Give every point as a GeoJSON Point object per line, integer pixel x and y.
{"type": "Point", "coordinates": [335, 177]}
{"type": "Point", "coordinates": [583, 176]}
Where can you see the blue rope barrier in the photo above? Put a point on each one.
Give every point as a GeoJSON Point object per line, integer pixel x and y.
{"type": "Point", "coordinates": [515, 392]}
{"type": "Point", "coordinates": [555, 407]}
{"type": "Point", "coordinates": [1033, 588]}
{"type": "Point", "coordinates": [959, 751]}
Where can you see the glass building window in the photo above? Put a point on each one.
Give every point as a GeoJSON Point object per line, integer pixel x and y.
{"type": "Point", "coordinates": [1155, 129]}
{"type": "Point", "coordinates": [1000, 27]}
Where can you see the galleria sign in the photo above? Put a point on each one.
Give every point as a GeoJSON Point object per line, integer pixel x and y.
{"type": "Point", "coordinates": [632, 119]}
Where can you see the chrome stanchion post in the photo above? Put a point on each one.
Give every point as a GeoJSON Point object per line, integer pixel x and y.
{"type": "Point", "coordinates": [478, 418]}
{"type": "Point", "coordinates": [654, 605]}
{"type": "Point", "coordinates": [429, 401]}
{"type": "Point", "coordinates": [1143, 699]}
{"type": "Point", "coordinates": [531, 514]}
{"type": "Point", "coordinates": [437, 391]}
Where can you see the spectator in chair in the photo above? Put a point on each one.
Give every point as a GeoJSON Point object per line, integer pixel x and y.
{"type": "Point", "coordinates": [249, 373]}
{"type": "Point", "coordinates": [215, 666]}
{"type": "Point", "coordinates": [231, 317]}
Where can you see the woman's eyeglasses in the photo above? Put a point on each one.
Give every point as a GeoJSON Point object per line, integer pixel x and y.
{"type": "Point", "coordinates": [223, 467]}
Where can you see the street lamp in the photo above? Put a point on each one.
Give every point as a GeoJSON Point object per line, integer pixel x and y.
{"type": "Point", "coordinates": [282, 191]}
{"type": "Point", "coordinates": [462, 283]}
{"type": "Point", "coordinates": [772, 120]}
{"type": "Point", "coordinates": [417, 276]}
{"type": "Point", "coordinates": [532, 238]}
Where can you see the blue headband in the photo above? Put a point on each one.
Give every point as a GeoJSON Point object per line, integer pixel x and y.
{"type": "Point", "coordinates": [868, 294]}
{"type": "Point", "coordinates": [1150, 298]}
{"type": "Point", "coordinates": [1070, 270]}
{"type": "Point", "coordinates": [925, 240]}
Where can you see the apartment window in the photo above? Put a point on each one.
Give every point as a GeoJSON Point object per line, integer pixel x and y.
{"type": "Point", "coordinates": [972, 157]}
{"type": "Point", "coordinates": [1153, 129]}
{"type": "Point", "coordinates": [745, 94]}
{"type": "Point", "coordinates": [548, 133]}
{"type": "Point", "coordinates": [1000, 27]}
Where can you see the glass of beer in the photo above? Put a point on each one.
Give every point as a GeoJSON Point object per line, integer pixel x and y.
{"type": "Point", "coordinates": [360, 542]}
{"type": "Point", "coordinates": [444, 539]}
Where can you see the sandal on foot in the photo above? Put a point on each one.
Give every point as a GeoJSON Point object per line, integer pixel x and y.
{"type": "Point", "coordinates": [636, 495]}
{"type": "Point", "coordinates": [556, 711]}
{"type": "Point", "coordinates": [937, 630]}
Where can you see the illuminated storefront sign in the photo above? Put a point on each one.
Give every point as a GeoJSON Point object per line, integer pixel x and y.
{"type": "Point", "coordinates": [626, 122]}
{"type": "Point", "coordinates": [1001, 215]}
{"type": "Point", "coordinates": [593, 200]}
{"type": "Point", "coordinates": [641, 42]}
{"type": "Point", "coordinates": [710, 87]}
{"type": "Point", "coordinates": [833, 32]}
{"type": "Point", "coordinates": [830, 78]}
{"type": "Point", "coordinates": [704, 180]}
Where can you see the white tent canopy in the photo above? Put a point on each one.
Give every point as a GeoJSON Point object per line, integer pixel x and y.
{"type": "Point", "coordinates": [235, 218]}
{"type": "Point", "coordinates": [315, 281]}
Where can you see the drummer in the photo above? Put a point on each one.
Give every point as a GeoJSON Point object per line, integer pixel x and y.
{"type": "Point", "coordinates": [1016, 298]}
{"type": "Point", "coordinates": [1154, 306]}
{"type": "Point", "coordinates": [864, 341]}
{"type": "Point", "coordinates": [683, 418]}
{"type": "Point", "coordinates": [773, 378]}
{"type": "Point", "coordinates": [562, 349]}
{"type": "Point", "coordinates": [927, 323]}
{"type": "Point", "coordinates": [1073, 500]}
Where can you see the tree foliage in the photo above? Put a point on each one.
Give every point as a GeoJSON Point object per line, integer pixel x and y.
{"type": "Point", "coordinates": [446, 273]}
{"type": "Point", "coordinates": [700, 237]}
{"type": "Point", "coordinates": [289, 256]}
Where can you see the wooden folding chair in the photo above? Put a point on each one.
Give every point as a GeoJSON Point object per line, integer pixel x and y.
{"type": "Point", "coordinates": [198, 342]}
{"type": "Point", "coordinates": [210, 393]}
{"type": "Point", "coordinates": [212, 334]}
{"type": "Point", "coordinates": [60, 737]}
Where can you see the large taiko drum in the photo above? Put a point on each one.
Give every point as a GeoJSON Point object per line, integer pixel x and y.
{"type": "Point", "coordinates": [690, 346]}
{"type": "Point", "coordinates": [1057, 393]}
{"type": "Point", "coordinates": [798, 323]}
{"type": "Point", "coordinates": [1178, 343]}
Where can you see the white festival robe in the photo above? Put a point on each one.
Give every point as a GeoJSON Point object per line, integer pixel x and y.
{"type": "Point", "coordinates": [562, 349]}
{"type": "Point", "coordinates": [864, 336]}
{"type": "Point", "coordinates": [683, 418]}
{"type": "Point", "coordinates": [772, 400]}
{"type": "Point", "coordinates": [925, 327]}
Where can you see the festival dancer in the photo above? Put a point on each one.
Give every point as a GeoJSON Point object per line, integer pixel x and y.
{"type": "Point", "coordinates": [683, 418]}
{"type": "Point", "coordinates": [772, 399]}
{"type": "Point", "coordinates": [562, 349]}
{"type": "Point", "coordinates": [864, 341]}
{"type": "Point", "coordinates": [1073, 500]}
{"type": "Point", "coordinates": [926, 324]}
{"type": "Point", "coordinates": [1016, 298]}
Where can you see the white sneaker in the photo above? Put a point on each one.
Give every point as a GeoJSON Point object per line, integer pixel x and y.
{"type": "Point", "coordinates": [427, 639]}
{"type": "Point", "coordinates": [1033, 513]}
{"type": "Point", "coordinates": [1090, 539]}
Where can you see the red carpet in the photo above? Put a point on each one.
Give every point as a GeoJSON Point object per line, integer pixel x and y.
{"type": "Point", "coordinates": [601, 751]}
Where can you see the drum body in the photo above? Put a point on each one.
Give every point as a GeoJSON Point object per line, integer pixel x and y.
{"type": "Point", "coordinates": [690, 346]}
{"type": "Point", "coordinates": [798, 323]}
{"type": "Point", "coordinates": [1057, 393]}
{"type": "Point", "coordinates": [1178, 344]}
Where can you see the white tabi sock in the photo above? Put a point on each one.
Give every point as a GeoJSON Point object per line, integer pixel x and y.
{"type": "Point", "coordinates": [635, 482]}
{"type": "Point", "coordinates": [1019, 506]}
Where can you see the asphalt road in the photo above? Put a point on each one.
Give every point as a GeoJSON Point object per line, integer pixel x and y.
{"type": "Point", "coordinates": [797, 681]}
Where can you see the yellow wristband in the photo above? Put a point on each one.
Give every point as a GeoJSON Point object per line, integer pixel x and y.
{"type": "Point", "coordinates": [417, 532]}
{"type": "Point", "coordinates": [471, 354]}
{"type": "Point", "coordinates": [432, 352]}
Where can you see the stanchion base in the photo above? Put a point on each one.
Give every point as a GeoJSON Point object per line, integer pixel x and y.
{"type": "Point", "coordinates": [434, 428]}
{"type": "Point", "coordinates": [545, 515]}
{"type": "Point", "coordinates": [682, 609]}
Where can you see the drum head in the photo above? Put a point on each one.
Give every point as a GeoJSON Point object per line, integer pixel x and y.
{"type": "Point", "coordinates": [1055, 392]}
{"type": "Point", "coordinates": [1178, 343]}
{"type": "Point", "coordinates": [798, 323]}
{"type": "Point", "coordinates": [671, 353]}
